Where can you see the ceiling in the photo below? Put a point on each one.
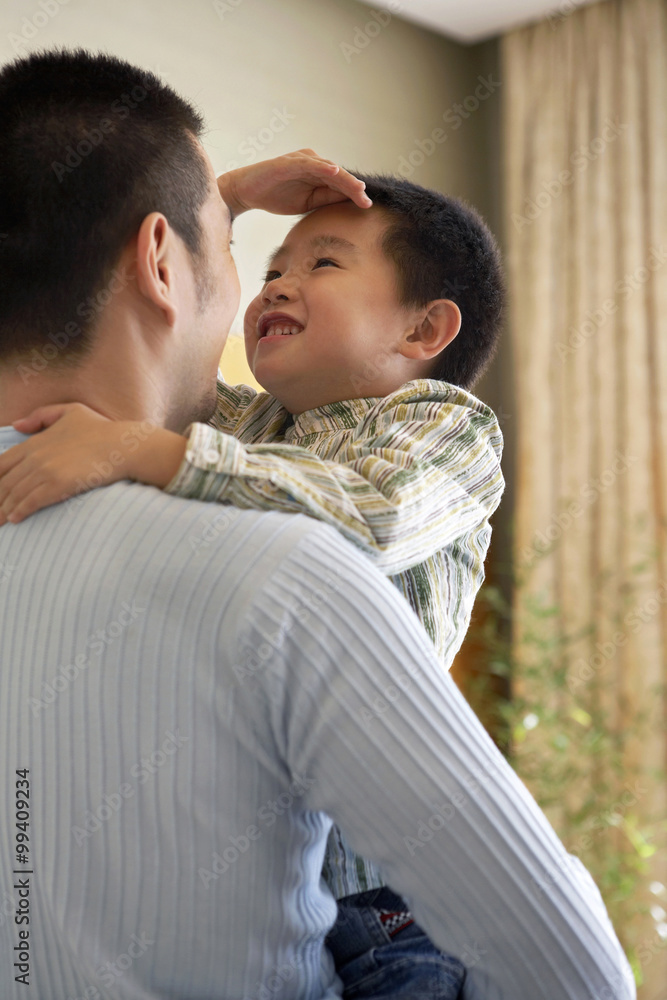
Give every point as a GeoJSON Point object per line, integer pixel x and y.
{"type": "Point", "coordinates": [471, 21]}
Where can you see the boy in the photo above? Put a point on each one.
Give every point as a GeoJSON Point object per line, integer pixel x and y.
{"type": "Point", "coordinates": [370, 328]}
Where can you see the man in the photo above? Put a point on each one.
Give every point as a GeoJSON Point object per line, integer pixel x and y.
{"type": "Point", "coordinates": [189, 696]}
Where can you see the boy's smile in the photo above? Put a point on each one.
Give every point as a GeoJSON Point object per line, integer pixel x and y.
{"type": "Point", "coordinates": [275, 324]}
{"type": "Point", "coordinates": [327, 324]}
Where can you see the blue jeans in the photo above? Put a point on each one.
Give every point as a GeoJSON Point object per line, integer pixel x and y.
{"type": "Point", "coordinates": [379, 957]}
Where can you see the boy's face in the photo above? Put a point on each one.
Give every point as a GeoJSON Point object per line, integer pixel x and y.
{"type": "Point", "coordinates": [331, 283]}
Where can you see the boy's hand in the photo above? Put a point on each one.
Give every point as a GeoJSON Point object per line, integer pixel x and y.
{"type": "Point", "coordinates": [78, 450]}
{"type": "Point", "coordinates": [290, 184]}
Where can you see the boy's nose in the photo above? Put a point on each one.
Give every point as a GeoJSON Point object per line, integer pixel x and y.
{"type": "Point", "coordinates": [279, 288]}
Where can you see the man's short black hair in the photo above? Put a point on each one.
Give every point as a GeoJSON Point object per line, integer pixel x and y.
{"type": "Point", "coordinates": [89, 145]}
{"type": "Point", "coordinates": [442, 249]}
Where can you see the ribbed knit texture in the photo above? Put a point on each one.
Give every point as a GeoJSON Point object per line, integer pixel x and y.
{"type": "Point", "coordinates": [231, 664]}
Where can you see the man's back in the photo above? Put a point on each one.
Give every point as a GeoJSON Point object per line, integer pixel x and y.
{"type": "Point", "coordinates": [190, 692]}
{"type": "Point", "coordinates": [117, 686]}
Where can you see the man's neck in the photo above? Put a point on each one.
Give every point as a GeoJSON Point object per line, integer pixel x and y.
{"type": "Point", "coordinates": [18, 401]}
{"type": "Point", "coordinates": [24, 389]}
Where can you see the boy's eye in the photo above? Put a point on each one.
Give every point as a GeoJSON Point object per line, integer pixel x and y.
{"type": "Point", "coordinates": [319, 261]}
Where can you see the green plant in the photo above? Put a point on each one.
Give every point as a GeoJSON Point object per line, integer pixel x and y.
{"type": "Point", "coordinates": [552, 719]}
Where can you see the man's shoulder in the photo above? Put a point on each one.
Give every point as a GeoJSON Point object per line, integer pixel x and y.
{"type": "Point", "coordinates": [176, 535]}
{"type": "Point", "coordinates": [146, 508]}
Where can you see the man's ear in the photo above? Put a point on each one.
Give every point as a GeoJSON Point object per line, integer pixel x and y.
{"type": "Point", "coordinates": [434, 329]}
{"type": "Point", "coordinates": [155, 264]}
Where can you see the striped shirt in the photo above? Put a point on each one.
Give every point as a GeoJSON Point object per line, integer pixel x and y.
{"type": "Point", "coordinates": [193, 693]}
{"type": "Point", "coordinates": [411, 478]}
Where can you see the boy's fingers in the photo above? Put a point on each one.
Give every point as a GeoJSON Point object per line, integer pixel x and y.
{"type": "Point", "coordinates": [331, 195]}
{"type": "Point", "coordinates": [28, 425]}
{"type": "Point", "coordinates": [42, 417]}
{"type": "Point", "coordinates": [43, 495]}
{"type": "Point", "coordinates": [10, 458]}
{"type": "Point", "coordinates": [20, 483]}
{"type": "Point", "coordinates": [319, 161]}
{"type": "Point", "coordinates": [10, 479]}
{"type": "Point", "coordinates": [15, 493]}
{"type": "Point", "coordinates": [351, 187]}
{"type": "Point", "coordinates": [345, 182]}
{"type": "Point", "coordinates": [315, 156]}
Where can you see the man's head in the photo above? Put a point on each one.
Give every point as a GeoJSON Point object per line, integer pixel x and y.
{"type": "Point", "coordinates": [109, 211]}
{"type": "Point", "coordinates": [411, 288]}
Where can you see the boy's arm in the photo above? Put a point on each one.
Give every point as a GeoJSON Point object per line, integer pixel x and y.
{"type": "Point", "coordinates": [154, 464]}
{"type": "Point", "coordinates": [231, 403]}
{"type": "Point", "coordinates": [421, 470]}
{"type": "Point", "coordinates": [73, 448]}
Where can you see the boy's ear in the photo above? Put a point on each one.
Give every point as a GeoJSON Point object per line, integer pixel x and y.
{"type": "Point", "coordinates": [433, 331]}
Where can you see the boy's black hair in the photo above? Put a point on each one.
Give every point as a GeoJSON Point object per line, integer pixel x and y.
{"type": "Point", "coordinates": [89, 145]}
{"type": "Point", "coordinates": [442, 249]}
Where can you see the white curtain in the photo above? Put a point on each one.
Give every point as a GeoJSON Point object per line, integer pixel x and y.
{"type": "Point", "coordinates": [585, 167]}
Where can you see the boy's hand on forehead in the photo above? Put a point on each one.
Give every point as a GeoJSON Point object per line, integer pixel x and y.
{"type": "Point", "coordinates": [290, 185]}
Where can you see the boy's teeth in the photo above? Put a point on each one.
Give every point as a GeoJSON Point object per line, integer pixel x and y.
{"type": "Point", "coordinates": [282, 331]}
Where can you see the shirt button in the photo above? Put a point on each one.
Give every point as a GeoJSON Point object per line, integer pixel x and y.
{"type": "Point", "coordinates": [212, 456]}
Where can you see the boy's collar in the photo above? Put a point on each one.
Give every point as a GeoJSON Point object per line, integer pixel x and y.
{"type": "Point", "coordinates": [334, 416]}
